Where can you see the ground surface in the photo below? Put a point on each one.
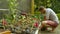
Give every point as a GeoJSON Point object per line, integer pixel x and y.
{"type": "Point", "coordinates": [57, 31]}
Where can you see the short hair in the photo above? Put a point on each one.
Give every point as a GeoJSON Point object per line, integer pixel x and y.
{"type": "Point", "coordinates": [41, 8]}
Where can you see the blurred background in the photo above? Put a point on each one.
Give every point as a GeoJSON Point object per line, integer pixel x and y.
{"type": "Point", "coordinates": [12, 9]}
{"type": "Point", "coordinates": [30, 6]}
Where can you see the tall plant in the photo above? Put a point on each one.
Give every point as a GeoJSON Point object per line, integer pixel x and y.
{"type": "Point", "coordinates": [13, 9]}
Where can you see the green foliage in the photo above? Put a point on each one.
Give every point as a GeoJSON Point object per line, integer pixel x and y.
{"type": "Point", "coordinates": [13, 9]}
{"type": "Point", "coordinates": [54, 4]}
{"type": "Point", "coordinates": [58, 16]}
{"type": "Point", "coordinates": [37, 12]}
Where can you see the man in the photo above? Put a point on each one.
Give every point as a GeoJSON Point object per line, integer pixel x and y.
{"type": "Point", "coordinates": [50, 18]}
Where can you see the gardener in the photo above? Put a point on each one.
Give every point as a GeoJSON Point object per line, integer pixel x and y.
{"type": "Point", "coordinates": [50, 18]}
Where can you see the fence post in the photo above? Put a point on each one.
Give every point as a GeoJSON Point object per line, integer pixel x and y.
{"type": "Point", "coordinates": [32, 7]}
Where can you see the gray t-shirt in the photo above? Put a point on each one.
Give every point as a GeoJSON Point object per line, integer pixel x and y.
{"type": "Point", "coordinates": [50, 14]}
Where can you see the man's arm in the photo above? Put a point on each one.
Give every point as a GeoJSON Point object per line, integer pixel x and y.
{"type": "Point", "coordinates": [47, 15]}
{"type": "Point", "coordinates": [45, 18]}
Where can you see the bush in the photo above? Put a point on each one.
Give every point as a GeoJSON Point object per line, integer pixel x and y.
{"type": "Point", "coordinates": [58, 16]}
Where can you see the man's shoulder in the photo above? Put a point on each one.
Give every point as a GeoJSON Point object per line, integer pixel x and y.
{"type": "Point", "coordinates": [48, 9]}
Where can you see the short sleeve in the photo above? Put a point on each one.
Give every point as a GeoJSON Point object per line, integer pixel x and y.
{"type": "Point", "coordinates": [47, 14]}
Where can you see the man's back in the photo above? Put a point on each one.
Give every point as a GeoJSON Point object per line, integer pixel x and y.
{"type": "Point", "coordinates": [50, 14]}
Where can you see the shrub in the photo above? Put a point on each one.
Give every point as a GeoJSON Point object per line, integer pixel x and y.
{"type": "Point", "coordinates": [58, 16]}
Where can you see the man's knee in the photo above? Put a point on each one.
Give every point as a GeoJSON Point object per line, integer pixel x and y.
{"type": "Point", "coordinates": [44, 22]}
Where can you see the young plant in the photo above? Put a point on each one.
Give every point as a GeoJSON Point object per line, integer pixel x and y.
{"type": "Point", "coordinates": [13, 9]}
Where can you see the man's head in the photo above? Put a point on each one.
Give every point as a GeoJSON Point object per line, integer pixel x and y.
{"type": "Point", "coordinates": [42, 9]}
